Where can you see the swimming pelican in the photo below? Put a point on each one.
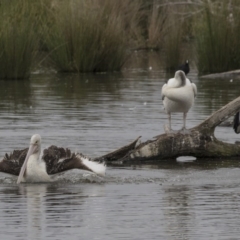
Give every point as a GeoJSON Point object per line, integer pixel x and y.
{"type": "Point", "coordinates": [236, 123]}
{"type": "Point", "coordinates": [178, 95]}
{"type": "Point", "coordinates": [30, 167]}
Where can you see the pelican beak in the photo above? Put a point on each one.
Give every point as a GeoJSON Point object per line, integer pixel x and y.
{"type": "Point", "coordinates": [31, 150]}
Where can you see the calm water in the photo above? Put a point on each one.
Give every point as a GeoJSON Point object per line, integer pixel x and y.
{"type": "Point", "coordinates": [96, 114]}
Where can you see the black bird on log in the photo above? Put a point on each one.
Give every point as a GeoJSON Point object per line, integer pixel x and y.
{"type": "Point", "coordinates": [184, 67]}
{"type": "Point", "coordinates": [236, 123]}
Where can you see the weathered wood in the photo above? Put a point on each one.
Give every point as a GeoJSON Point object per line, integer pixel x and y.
{"type": "Point", "coordinates": [119, 153]}
{"type": "Point", "coordinates": [223, 75]}
{"type": "Point", "coordinates": [221, 115]}
{"type": "Point", "coordinates": [200, 142]}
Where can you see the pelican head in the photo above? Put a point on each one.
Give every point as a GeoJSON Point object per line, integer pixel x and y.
{"type": "Point", "coordinates": [34, 148]}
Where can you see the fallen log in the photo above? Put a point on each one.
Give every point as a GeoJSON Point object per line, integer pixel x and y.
{"type": "Point", "coordinates": [230, 74]}
{"type": "Point", "coordinates": [199, 142]}
{"type": "Point", "coordinates": [119, 153]}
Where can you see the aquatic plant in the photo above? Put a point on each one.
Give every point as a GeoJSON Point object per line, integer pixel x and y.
{"type": "Point", "coordinates": [218, 37]}
{"type": "Point", "coordinates": [17, 39]}
{"type": "Point", "coordinates": [157, 18]}
{"type": "Point", "coordinates": [173, 45]}
{"type": "Point", "coordinates": [88, 36]}
{"type": "Point", "coordinates": [174, 35]}
{"type": "Point", "coordinates": [99, 35]}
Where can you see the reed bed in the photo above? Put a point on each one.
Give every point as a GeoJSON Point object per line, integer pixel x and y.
{"type": "Point", "coordinates": [90, 36]}
{"type": "Point", "coordinates": [157, 19]}
{"type": "Point", "coordinates": [99, 35]}
{"type": "Point", "coordinates": [170, 30]}
{"type": "Point", "coordinates": [173, 46]}
{"type": "Point", "coordinates": [17, 39]}
{"type": "Point", "coordinates": [218, 37]}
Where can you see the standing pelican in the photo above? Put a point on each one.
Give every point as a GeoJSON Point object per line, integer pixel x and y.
{"type": "Point", "coordinates": [29, 167]}
{"type": "Point", "coordinates": [236, 123]}
{"type": "Point", "coordinates": [178, 95]}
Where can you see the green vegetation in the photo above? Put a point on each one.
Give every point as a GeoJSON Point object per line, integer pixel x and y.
{"type": "Point", "coordinates": [17, 40]}
{"type": "Point", "coordinates": [173, 44]}
{"type": "Point", "coordinates": [218, 37]}
{"type": "Point", "coordinates": [86, 37]}
{"type": "Point", "coordinates": [99, 35]}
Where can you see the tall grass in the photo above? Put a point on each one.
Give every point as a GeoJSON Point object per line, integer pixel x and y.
{"type": "Point", "coordinates": [218, 37]}
{"type": "Point", "coordinates": [174, 30]}
{"type": "Point", "coordinates": [173, 45]}
{"type": "Point", "coordinates": [89, 35]}
{"type": "Point", "coordinates": [99, 35]}
{"type": "Point", "coordinates": [157, 19]}
{"type": "Point", "coordinates": [17, 39]}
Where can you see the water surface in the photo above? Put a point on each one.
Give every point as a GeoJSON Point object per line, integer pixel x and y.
{"type": "Point", "coordinates": [98, 113]}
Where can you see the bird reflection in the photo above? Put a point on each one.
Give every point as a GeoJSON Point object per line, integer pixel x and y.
{"type": "Point", "coordinates": [177, 211]}
{"type": "Point", "coordinates": [36, 209]}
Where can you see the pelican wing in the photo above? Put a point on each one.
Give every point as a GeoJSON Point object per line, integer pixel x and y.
{"type": "Point", "coordinates": [163, 96]}
{"type": "Point", "coordinates": [194, 89]}
{"type": "Point", "coordinates": [13, 162]}
{"type": "Point", "coordinates": [62, 159]}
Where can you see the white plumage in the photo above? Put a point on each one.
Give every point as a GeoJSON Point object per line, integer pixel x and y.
{"type": "Point", "coordinates": [178, 95]}
{"type": "Point", "coordinates": [34, 168]}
